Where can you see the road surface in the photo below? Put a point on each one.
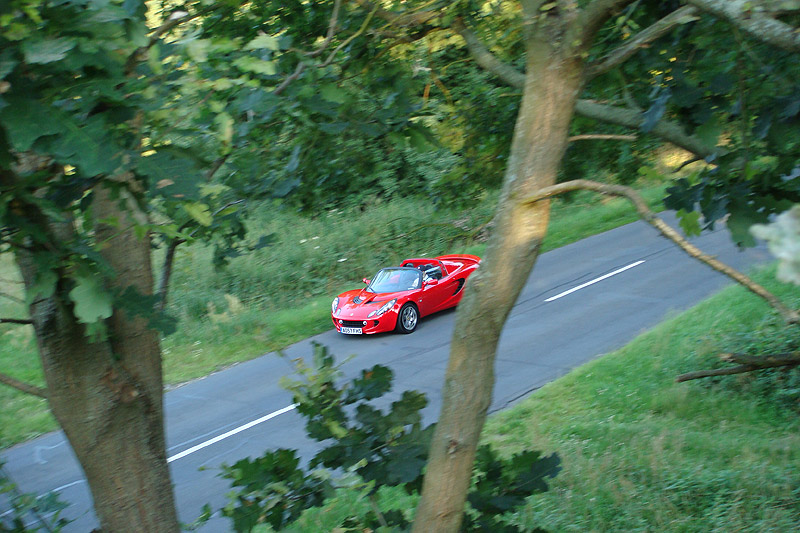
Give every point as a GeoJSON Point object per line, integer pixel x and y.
{"type": "Point", "coordinates": [581, 301]}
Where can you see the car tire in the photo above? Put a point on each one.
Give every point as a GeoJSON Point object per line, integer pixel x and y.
{"type": "Point", "coordinates": [407, 318]}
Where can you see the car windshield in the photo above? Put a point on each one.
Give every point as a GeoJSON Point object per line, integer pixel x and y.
{"type": "Point", "coordinates": [395, 280]}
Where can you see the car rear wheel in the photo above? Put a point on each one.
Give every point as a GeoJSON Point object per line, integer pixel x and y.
{"type": "Point", "coordinates": [407, 318]}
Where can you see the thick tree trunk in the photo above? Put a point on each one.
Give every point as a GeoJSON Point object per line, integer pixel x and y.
{"type": "Point", "coordinates": [107, 395]}
{"type": "Point", "coordinates": [551, 89]}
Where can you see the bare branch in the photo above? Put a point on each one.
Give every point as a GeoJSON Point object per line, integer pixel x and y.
{"type": "Point", "coordinates": [750, 18]}
{"type": "Point", "coordinates": [789, 315]}
{"type": "Point", "coordinates": [301, 67]}
{"type": "Point", "coordinates": [140, 53]}
{"type": "Point", "coordinates": [697, 374]}
{"type": "Point", "coordinates": [169, 257]}
{"type": "Point", "coordinates": [594, 16]}
{"type": "Point", "coordinates": [486, 59]}
{"type": "Point", "coordinates": [331, 30]}
{"type": "Point", "coordinates": [21, 386]}
{"type": "Point", "coordinates": [173, 23]}
{"type": "Point", "coordinates": [601, 136]}
{"type": "Point", "coordinates": [12, 298]}
{"type": "Point", "coordinates": [687, 163]}
{"type": "Point", "coordinates": [289, 79]}
{"type": "Point", "coordinates": [25, 321]}
{"type": "Point", "coordinates": [400, 19]}
{"type": "Point", "coordinates": [350, 39]}
{"type": "Point", "coordinates": [631, 118]}
{"type": "Point", "coordinates": [643, 38]}
{"type": "Point", "coordinates": [748, 363]}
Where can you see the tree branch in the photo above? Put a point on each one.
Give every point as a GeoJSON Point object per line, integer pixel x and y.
{"type": "Point", "coordinates": [665, 129]}
{"type": "Point", "coordinates": [601, 136]}
{"type": "Point", "coordinates": [623, 53]}
{"type": "Point", "coordinates": [25, 321]}
{"type": "Point", "coordinates": [337, 4]}
{"type": "Point", "coordinates": [21, 386]}
{"type": "Point", "coordinates": [687, 163]}
{"type": "Point", "coordinates": [789, 315]}
{"type": "Point", "coordinates": [631, 118]}
{"type": "Point", "coordinates": [169, 256]}
{"type": "Point", "coordinates": [301, 67]}
{"type": "Point", "coordinates": [749, 363]}
{"type": "Point", "coordinates": [594, 15]}
{"type": "Point", "coordinates": [748, 16]}
{"type": "Point", "coordinates": [486, 59]}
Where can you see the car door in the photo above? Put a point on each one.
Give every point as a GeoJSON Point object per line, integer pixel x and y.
{"type": "Point", "coordinates": [435, 294]}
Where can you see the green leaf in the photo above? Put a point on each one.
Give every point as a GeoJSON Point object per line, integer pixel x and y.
{"type": "Point", "coordinates": [333, 128]}
{"type": "Point", "coordinates": [253, 64]}
{"type": "Point", "coordinates": [88, 147]}
{"type": "Point", "coordinates": [372, 384]}
{"type": "Point", "coordinates": [47, 50]}
{"type": "Point", "coordinates": [92, 301]}
{"type": "Point", "coordinates": [85, 146]}
{"type": "Point", "coordinates": [199, 212]}
{"type": "Point", "coordinates": [333, 93]}
{"type": "Point", "coordinates": [224, 124]}
{"type": "Point", "coordinates": [26, 120]}
{"type": "Point", "coordinates": [690, 222]}
{"type": "Point", "coordinates": [7, 64]}
{"type": "Point", "coordinates": [263, 42]}
{"type": "Point", "coordinates": [44, 285]}
{"type": "Point", "coordinates": [710, 131]}
{"type": "Point", "coordinates": [172, 172]}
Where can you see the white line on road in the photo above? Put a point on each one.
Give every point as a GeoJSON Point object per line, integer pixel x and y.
{"type": "Point", "coordinates": [592, 282]}
{"type": "Point", "coordinates": [231, 433]}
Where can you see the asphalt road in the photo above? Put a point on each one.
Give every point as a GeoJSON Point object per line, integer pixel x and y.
{"type": "Point", "coordinates": [581, 301]}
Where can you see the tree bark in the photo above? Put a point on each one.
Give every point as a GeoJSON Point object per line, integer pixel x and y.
{"type": "Point", "coordinates": [107, 395]}
{"type": "Point", "coordinates": [552, 84]}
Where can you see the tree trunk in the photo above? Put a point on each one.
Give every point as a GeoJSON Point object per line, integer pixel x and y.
{"type": "Point", "coordinates": [107, 395]}
{"type": "Point", "coordinates": [552, 84]}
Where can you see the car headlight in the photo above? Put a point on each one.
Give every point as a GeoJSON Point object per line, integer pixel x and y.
{"type": "Point", "coordinates": [335, 305]}
{"type": "Point", "coordinates": [385, 307]}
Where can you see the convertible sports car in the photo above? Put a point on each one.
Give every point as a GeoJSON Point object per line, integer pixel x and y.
{"type": "Point", "coordinates": [397, 297]}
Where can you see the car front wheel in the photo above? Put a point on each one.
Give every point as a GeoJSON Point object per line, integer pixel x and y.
{"type": "Point", "coordinates": [407, 318]}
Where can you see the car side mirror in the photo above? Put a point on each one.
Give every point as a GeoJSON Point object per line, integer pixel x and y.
{"type": "Point", "coordinates": [432, 282]}
{"type": "Point", "coordinates": [366, 281]}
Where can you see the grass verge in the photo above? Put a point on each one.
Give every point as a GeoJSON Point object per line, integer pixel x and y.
{"type": "Point", "coordinates": [643, 453]}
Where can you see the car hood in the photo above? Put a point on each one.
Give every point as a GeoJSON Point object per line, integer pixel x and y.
{"type": "Point", "coordinates": [356, 305]}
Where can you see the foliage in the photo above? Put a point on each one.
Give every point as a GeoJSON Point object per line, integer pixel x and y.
{"type": "Point", "coordinates": [45, 510]}
{"type": "Point", "coordinates": [375, 449]}
{"type": "Point", "coordinates": [783, 238]}
{"type": "Point", "coordinates": [739, 96]}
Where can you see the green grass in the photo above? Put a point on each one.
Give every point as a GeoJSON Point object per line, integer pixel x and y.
{"type": "Point", "coordinates": [644, 453]}
{"type": "Point", "coordinates": [22, 416]}
{"type": "Point", "coordinates": [279, 295]}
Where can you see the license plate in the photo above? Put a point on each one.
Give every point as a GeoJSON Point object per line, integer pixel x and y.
{"type": "Point", "coordinates": [351, 331]}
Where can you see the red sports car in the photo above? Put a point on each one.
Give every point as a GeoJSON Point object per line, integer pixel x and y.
{"type": "Point", "coordinates": [397, 297]}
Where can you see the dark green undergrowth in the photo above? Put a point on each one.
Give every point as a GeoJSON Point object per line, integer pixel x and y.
{"type": "Point", "coordinates": [281, 294]}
